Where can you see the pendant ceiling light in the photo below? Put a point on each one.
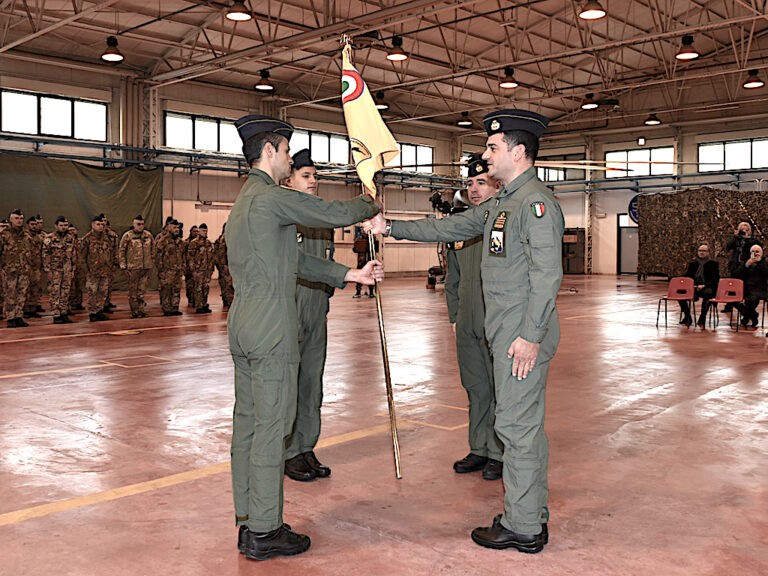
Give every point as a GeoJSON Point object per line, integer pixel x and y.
{"type": "Point", "coordinates": [112, 54]}
{"type": "Point", "coordinates": [238, 12]}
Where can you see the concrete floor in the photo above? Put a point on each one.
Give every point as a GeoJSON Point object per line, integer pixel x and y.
{"type": "Point", "coordinates": [114, 446]}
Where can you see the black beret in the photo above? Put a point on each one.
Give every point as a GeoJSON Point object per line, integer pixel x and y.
{"type": "Point", "coordinates": [508, 120]}
{"type": "Point", "coordinates": [31, 219]}
{"type": "Point", "coordinates": [61, 219]}
{"type": "Point", "coordinates": [249, 126]}
{"type": "Point", "coordinates": [168, 219]}
{"type": "Point", "coordinates": [98, 218]}
{"type": "Point", "coordinates": [4, 221]}
{"type": "Point", "coordinates": [175, 222]}
{"type": "Point", "coordinates": [139, 217]}
{"type": "Point", "coordinates": [302, 159]}
{"type": "Point", "coordinates": [17, 212]}
{"type": "Point", "coordinates": [476, 165]}
{"type": "Point", "coordinates": [204, 226]}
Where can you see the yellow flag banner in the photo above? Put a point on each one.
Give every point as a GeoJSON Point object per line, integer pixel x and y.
{"type": "Point", "coordinates": [372, 143]}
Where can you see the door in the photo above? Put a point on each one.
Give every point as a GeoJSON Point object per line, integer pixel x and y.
{"type": "Point", "coordinates": [628, 245]}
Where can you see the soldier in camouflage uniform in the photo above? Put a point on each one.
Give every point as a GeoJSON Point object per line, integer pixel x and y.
{"type": "Point", "coordinates": [189, 280]}
{"type": "Point", "coordinates": [169, 261]}
{"type": "Point", "coordinates": [36, 277]}
{"type": "Point", "coordinates": [222, 265]}
{"type": "Point", "coordinates": [59, 263]}
{"type": "Point", "coordinates": [109, 306]}
{"type": "Point", "coordinates": [78, 282]}
{"type": "Point", "coordinates": [15, 256]}
{"type": "Point", "coordinates": [98, 258]}
{"type": "Point", "coordinates": [136, 254]}
{"type": "Point", "coordinates": [3, 227]}
{"type": "Point", "coordinates": [200, 262]}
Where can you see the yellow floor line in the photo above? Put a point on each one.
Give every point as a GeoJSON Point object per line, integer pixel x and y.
{"type": "Point", "coordinates": [105, 332]}
{"type": "Point", "coordinates": [181, 478]}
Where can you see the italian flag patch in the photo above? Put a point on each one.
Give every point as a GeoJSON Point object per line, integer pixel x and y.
{"type": "Point", "coordinates": [538, 209]}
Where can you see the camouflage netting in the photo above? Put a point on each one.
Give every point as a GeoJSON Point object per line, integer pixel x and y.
{"type": "Point", "coordinates": [672, 225]}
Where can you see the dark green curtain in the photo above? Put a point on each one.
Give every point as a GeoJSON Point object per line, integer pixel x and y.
{"type": "Point", "coordinates": [672, 225]}
{"type": "Point", "coordinates": [80, 191]}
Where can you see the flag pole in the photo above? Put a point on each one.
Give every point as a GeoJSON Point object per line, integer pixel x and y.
{"type": "Point", "coordinates": [385, 358]}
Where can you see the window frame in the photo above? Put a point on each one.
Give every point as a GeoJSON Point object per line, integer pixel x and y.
{"type": "Point", "coordinates": [39, 96]}
{"type": "Point", "coordinates": [723, 144]}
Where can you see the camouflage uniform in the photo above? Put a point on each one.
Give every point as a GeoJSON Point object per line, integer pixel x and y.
{"type": "Point", "coordinates": [189, 280]}
{"type": "Point", "coordinates": [200, 262]}
{"type": "Point", "coordinates": [36, 277]}
{"type": "Point", "coordinates": [169, 260]}
{"type": "Point", "coordinates": [115, 264]}
{"type": "Point", "coordinates": [136, 254]}
{"type": "Point", "coordinates": [98, 258]}
{"type": "Point", "coordinates": [59, 263]}
{"type": "Point", "coordinates": [16, 249]}
{"type": "Point", "coordinates": [79, 279]}
{"type": "Point", "coordinates": [222, 265]}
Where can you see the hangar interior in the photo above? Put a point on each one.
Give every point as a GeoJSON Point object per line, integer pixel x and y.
{"type": "Point", "coordinates": [668, 94]}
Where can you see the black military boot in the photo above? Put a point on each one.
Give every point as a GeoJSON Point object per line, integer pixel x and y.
{"type": "Point", "coordinates": [321, 471]}
{"type": "Point", "coordinates": [40, 308]}
{"type": "Point", "coordinates": [498, 537]}
{"type": "Point", "coordinates": [58, 319]}
{"type": "Point", "coordinates": [66, 319]}
{"type": "Point", "coordinates": [11, 323]}
{"type": "Point", "coordinates": [20, 323]}
{"type": "Point", "coordinates": [280, 542]}
{"type": "Point", "coordinates": [493, 469]}
{"type": "Point", "coordinates": [469, 463]}
{"type": "Point", "coordinates": [298, 469]}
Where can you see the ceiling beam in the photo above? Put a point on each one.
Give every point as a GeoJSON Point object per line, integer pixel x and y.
{"type": "Point", "coordinates": [57, 25]}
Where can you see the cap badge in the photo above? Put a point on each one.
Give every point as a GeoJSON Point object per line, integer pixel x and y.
{"type": "Point", "coordinates": [495, 125]}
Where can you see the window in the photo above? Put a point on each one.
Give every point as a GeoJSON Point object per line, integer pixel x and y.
{"type": "Point", "coordinates": [413, 158]}
{"type": "Point", "coordinates": [556, 173]}
{"type": "Point", "coordinates": [733, 155]}
{"type": "Point", "coordinates": [323, 147]}
{"type": "Point", "coordinates": [191, 132]}
{"type": "Point", "coordinates": [46, 115]}
{"type": "Point", "coordinates": [640, 162]}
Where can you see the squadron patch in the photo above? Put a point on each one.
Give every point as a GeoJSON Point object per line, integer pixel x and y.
{"type": "Point", "coordinates": [496, 241]}
{"type": "Point", "coordinates": [538, 209]}
{"type": "Point", "coordinates": [299, 237]}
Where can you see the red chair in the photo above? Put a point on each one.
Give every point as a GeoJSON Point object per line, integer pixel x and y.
{"type": "Point", "coordinates": [680, 288]}
{"type": "Point", "coordinates": [729, 291]}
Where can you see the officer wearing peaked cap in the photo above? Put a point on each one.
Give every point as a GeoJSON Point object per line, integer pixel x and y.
{"type": "Point", "coordinates": [466, 311]}
{"type": "Point", "coordinates": [263, 326]}
{"type": "Point", "coordinates": [312, 303]}
{"type": "Point", "coordinates": [521, 270]}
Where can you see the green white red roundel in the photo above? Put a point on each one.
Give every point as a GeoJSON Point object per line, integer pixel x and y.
{"type": "Point", "coordinates": [538, 209]}
{"type": "Point", "coordinates": [352, 86]}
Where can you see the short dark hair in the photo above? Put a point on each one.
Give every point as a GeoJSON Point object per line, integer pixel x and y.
{"type": "Point", "coordinates": [527, 139]}
{"type": "Point", "coordinates": [254, 146]}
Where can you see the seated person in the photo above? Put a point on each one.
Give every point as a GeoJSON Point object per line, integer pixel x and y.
{"type": "Point", "coordinates": [739, 247]}
{"type": "Point", "coordinates": [706, 275]}
{"type": "Point", "coordinates": [754, 273]}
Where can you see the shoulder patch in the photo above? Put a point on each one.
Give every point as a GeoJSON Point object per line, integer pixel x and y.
{"type": "Point", "coordinates": [538, 209]}
{"type": "Point", "coordinates": [299, 237]}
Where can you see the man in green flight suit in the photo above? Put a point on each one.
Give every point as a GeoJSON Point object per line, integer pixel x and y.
{"type": "Point", "coordinates": [312, 302]}
{"type": "Point", "coordinates": [265, 262]}
{"type": "Point", "coordinates": [521, 269]}
{"type": "Point", "coordinates": [466, 311]}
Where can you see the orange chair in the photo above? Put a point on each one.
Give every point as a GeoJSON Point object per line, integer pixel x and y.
{"type": "Point", "coordinates": [729, 291]}
{"type": "Point", "coordinates": [680, 288]}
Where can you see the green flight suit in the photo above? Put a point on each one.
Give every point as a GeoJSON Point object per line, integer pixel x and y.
{"type": "Point", "coordinates": [522, 230]}
{"type": "Point", "coordinates": [263, 330]}
{"type": "Point", "coordinates": [466, 309]}
{"type": "Point", "coordinates": [312, 302]}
